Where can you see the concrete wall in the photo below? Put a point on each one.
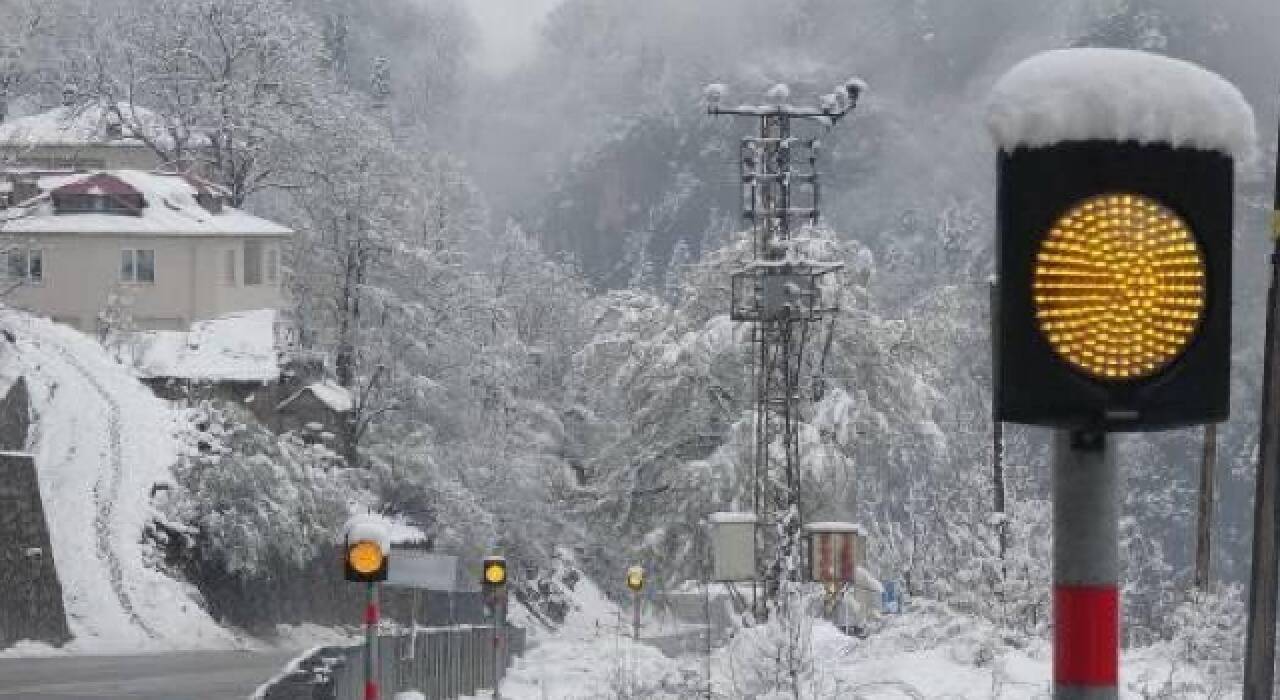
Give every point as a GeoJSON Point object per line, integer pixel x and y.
{"type": "Point", "coordinates": [82, 271]}
{"type": "Point", "coordinates": [30, 593]}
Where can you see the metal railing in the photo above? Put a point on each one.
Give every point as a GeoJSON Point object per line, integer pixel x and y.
{"type": "Point", "coordinates": [442, 663]}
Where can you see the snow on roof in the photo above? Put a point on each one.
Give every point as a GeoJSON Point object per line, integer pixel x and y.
{"type": "Point", "coordinates": [836, 527]}
{"type": "Point", "coordinates": [171, 209]}
{"type": "Point", "coordinates": [237, 347]}
{"type": "Point", "coordinates": [730, 518]}
{"type": "Point", "coordinates": [1118, 95]}
{"type": "Point", "coordinates": [385, 530]}
{"type": "Point", "coordinates": [83, 125]}
{"type": "Point", "coordinates": [333, 395]}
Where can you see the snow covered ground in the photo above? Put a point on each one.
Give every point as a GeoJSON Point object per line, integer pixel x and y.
{"type": "Point", "coordinates": [102, 441]}
{"type": "Point", "coordinates": [928, 652]}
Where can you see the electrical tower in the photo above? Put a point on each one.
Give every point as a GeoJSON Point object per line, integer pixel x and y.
{"type": "Point", "coordinates": [781, 292]}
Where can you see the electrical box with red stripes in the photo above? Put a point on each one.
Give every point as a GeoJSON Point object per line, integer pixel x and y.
{"type": "Point", "coordinates": [836, 551]}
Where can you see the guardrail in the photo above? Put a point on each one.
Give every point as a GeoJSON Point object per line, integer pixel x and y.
{"type": "Point", "coordinates": [442, 663]}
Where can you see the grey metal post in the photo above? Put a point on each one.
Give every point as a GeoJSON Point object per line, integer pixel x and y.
{"type": "Point", "coordinates": [997, 440]}
{"type": "Point", "coordinates": [1086, 567]}
{"type": "Point", "coordinates": [1204, 508]}
{"type": "Point", "coordinates": [1260, 644]}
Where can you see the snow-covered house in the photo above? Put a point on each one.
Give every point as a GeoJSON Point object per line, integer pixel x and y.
{"type": "Point", "coordinates": [87, 137]}
{"type": "Point", "coordinates": [134, 250]}
{"type": "Point", "coordinates": [317, 408]}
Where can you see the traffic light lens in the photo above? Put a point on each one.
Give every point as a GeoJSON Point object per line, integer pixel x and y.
{"type": "Point", "coordinates": [495, 574]}
{"type": "Point", "coordinates": [365, 557]}
{"type": "Point", "coordinates": [1119, 287]}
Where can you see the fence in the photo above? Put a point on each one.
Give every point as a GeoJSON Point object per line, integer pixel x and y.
{"type": "Point", "coordinates": [442, 663]}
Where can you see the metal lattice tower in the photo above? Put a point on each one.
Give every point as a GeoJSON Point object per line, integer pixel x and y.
{"type": "Point", "coordinates": [780, 291]}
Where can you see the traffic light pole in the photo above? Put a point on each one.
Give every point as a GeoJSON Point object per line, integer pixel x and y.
{"type": "Point", "coordinates": [370, 641]}
{"type": "Point", "coordinates": [1086, 567]}
{"type": "Point", "coordinates": [499, 627]}
{"type": "Point", "coordinates": [1260, 645]}
{"type": "Point", "coordinates": [635, 615]}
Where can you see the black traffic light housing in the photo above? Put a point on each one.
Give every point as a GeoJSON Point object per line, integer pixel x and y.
{"type": "Point", "coordinates": [1037, 186]}
{"type": "Point", "coordinates": [493, 586]}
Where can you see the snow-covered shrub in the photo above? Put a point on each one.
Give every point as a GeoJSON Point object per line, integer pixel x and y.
{"type": "Point", "coordinates": [258, 503]}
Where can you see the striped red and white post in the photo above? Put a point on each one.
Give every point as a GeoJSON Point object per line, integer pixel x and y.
{"type": "Point", "coordinates": [371, 643]}
{"type": "Point", "coordinates": [1086, 567]}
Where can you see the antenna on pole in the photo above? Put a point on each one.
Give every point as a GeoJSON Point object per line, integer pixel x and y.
{"type": "Point", "coordinates": [781, 292]}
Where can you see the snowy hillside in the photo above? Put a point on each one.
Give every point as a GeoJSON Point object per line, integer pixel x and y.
{"type": "Point", "coordinates": [102, 442]}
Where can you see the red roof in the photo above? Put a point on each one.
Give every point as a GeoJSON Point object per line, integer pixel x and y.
{"type": "Point", "coordinates": [100, 183]}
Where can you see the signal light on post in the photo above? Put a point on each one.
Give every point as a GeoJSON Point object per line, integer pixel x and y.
{"type": "Point", "coordinates": [494, 572]}
{"type": "Point", "coordinates": [1115, 286]}
{"type": "Point", "coordinates": [635, 578]}
{"type": "Point", "coordinates": [493, 586]}
{"type": "Point", "coordinates": [365, 561]}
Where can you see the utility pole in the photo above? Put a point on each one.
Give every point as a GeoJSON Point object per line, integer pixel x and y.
{"type": "Point", "coordinates": [781, 292]}
{"type": "Point", "coordinates": [1260, 644]}
{"type": "Point", "coordinates": [1204, 514]}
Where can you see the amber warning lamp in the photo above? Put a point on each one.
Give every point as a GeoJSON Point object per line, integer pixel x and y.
{"type": "Point", "coordinates": [635, 578]}
{"type": "Point", "coordinates": [365, 555]}
{"type": "Point", "coordinates": [1115, 286]}
{"type": "Point", "coordinates": [494, 572]}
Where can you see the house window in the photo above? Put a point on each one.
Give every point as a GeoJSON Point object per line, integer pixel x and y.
{"type": "Point", "coordinates": [138, 266]}
{"type": "Point", "coordinates": [24, 264]}
{"type": "Point", "coordinates": [229, 267]}
{"type": "Point", "coordinates": [252, 263]}
{"type": "Point", "coordinates": [273, 265]}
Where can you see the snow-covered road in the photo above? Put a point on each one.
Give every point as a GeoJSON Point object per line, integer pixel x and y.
{"type": "Point", "coordinates": [102, 441]}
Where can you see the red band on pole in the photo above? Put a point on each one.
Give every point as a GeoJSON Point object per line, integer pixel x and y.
{"type": "Point", "coordinates": [371, 614]}
{"type": "Point", "coordinates": [371, 690]}
{"type": "Point", "coordinates": [1086, 635]}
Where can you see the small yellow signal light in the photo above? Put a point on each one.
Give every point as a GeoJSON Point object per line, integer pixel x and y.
{"type": "Point", "coordinates": [365, 557]}
{"type": "Point", "coordinates": [495, 572]}
{"type": "Point", "coordinates": [1119, 287]}
{"type": "Point", "coordinates": [635, 578]}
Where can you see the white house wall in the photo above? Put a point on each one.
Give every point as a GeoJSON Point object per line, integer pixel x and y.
{"type": "Point", "coordinates": [82, 272]}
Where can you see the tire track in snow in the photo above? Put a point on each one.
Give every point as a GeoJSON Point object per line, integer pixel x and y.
{"type": "Point", "coordinates": [107, 489]}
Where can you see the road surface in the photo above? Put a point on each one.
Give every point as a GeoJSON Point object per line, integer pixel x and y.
{"type": "Point", "coordinates": [221, 675]}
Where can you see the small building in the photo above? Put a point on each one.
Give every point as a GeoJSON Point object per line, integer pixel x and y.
{"type": "Point", "coordinates": [92, 136]}
{"type": "Point", "coordinates": [317, 408]}
{"type": "Point", "coordinates": [134, 250]}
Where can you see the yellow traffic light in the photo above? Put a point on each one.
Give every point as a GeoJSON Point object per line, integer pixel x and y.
{"type": "Point", "coordinates": [495, 572]}
{"type": "Point", "coordinates": [365, 557]}
{"type": "Point", "coordinates": [1119, 287]}
{"type": "Point", "coordinates": [635, 578]}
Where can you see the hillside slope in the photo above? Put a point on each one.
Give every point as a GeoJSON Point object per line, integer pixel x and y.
{"type": "Point", "coordinates": [102, 441]}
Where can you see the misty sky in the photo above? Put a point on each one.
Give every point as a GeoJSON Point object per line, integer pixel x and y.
{"type": "Point", "coordinates": [508, 30]}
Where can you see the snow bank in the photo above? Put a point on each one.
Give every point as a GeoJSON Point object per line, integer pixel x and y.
{"type": "Point", "coordinates": [1118, 95]}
